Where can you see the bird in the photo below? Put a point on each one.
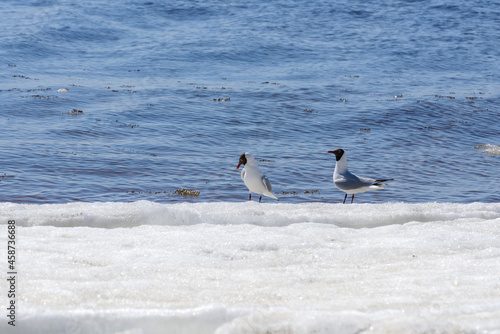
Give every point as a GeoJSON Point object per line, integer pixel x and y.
{"type": "Point", "coordinates": [350, 183]}
{"type": "Point", "coordinates": [253, 177]}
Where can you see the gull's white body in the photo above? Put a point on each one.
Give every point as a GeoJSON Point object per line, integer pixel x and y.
{"type": "Point", "coordinates": [348, 182]}
{"type": "Point", "coordinates": [254, 179]}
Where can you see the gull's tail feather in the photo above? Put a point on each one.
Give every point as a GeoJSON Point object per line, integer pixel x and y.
{"type": "Point", "coordinates": [381, 182]}
{"type": "Point", "coordinates": [271, 195]}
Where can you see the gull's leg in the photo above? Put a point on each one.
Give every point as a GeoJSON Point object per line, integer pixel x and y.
{"type": "Point", "coordinates": [345, 198]}
{"type": "Point", "coordinates": [260, 198]}
{"type": "Point", "coordinates": [352, 199]}
{"type": "Point", "coordinates": [250, 197]}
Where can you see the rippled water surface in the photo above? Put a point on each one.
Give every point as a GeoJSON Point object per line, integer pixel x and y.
{"type": "Point", "coordinates": [165, 96]}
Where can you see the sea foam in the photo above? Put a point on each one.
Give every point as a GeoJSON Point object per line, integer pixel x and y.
{"type": "Point", "coordinates": [112, 215]}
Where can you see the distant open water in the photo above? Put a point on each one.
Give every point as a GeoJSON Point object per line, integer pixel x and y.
{"type": "Point", "coordinates": [166, 95]}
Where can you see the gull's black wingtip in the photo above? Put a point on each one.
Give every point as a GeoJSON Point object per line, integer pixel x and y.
{"type": "Point", "coordinates": [384, 180]}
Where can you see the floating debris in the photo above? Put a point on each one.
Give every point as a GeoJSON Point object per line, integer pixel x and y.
{"type": "Point", "coordinates": [295, 193]}
{"type": "Point", "coordinates": [23, 77]}
{"type": "Point", "coordinates": [187, 192]}
{"type": "Point", "coordinates": [310, 111]}
{"type": "Point", "coordinates": [38, 89]}
{"type": "Point", "coordinates": [272, 83]}
{"type": "Point", "coordinates": [128, 125]}
{"type": "Point", "coordinates": [342, 100]}
{"type": "Point", "coordinates": [62, 90]}
{"type": "Point", "coordinates": [222, 99]}
{"type": "Point", "coordinates": [38, 96]}
{"type": "Point", "coordinates": [289, 193]}
{"type": "Point", "coordinates": [181, 192]}
{"type": "Point", "coordinates": [365, 129]}
{"type": "Point", "coordinates": [489, 149]}
{"type": "Point", "coordinates": [444, 96]}
{"type": "Point", "coordinates": [146, 192]}
{"type": "Point", "coordinates": [315, 191]}
{"type": "Point", "coordinates": [74, 112]}
{"type": "Point", "coordinates": [125, 90]}
{"type": "Point", "coordinates": [213, 88]}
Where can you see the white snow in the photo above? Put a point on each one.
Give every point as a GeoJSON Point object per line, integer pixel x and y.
{"type": "Point", "coordinates": [246, 267]}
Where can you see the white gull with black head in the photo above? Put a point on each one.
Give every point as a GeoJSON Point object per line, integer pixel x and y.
{"type": "Point", "coordinates": [350, 183]}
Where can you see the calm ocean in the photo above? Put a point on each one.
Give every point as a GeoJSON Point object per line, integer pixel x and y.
{"type": "Point", "coordinates": [164, 96]}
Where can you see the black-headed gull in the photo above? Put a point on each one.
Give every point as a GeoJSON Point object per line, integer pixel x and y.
{"type": "Point", "coordinates": [253, 177]}
{"type": "Point", "coordinates": [350, 183]}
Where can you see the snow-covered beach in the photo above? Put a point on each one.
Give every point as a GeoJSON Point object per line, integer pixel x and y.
{"type": "Point", "coordinates": [144, 267]}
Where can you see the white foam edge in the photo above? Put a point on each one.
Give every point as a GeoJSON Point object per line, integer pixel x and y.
{"type": "Point", "coordinates": [118, 214]}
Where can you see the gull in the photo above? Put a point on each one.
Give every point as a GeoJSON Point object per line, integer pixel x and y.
{"type": "Point", "coordinates": [63, 90]}
{"type": "Point", "coordinates": [350, 183]}
{"type": "Point", "coordinates": [253, 177]}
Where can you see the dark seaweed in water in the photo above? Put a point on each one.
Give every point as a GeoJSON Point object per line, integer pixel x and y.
{"type": "Point", "coordinates": [74, 112]}
{"type": "Point", "coordinates": [187, 192]}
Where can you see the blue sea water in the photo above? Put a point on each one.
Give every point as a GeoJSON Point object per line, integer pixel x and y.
{"type": "Point", "coordinates": [166, 95]}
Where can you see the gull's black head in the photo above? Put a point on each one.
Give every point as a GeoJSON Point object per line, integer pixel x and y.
{"type": "Point", "coordinates": [243, 160]}
{"type": "Point", "coordinates": [338, 153]}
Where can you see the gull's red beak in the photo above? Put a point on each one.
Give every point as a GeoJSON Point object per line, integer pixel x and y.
{"type": "Point", "coordinates": [238, 166]}
{"type": "Point", "coordinates": [331, 152]}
